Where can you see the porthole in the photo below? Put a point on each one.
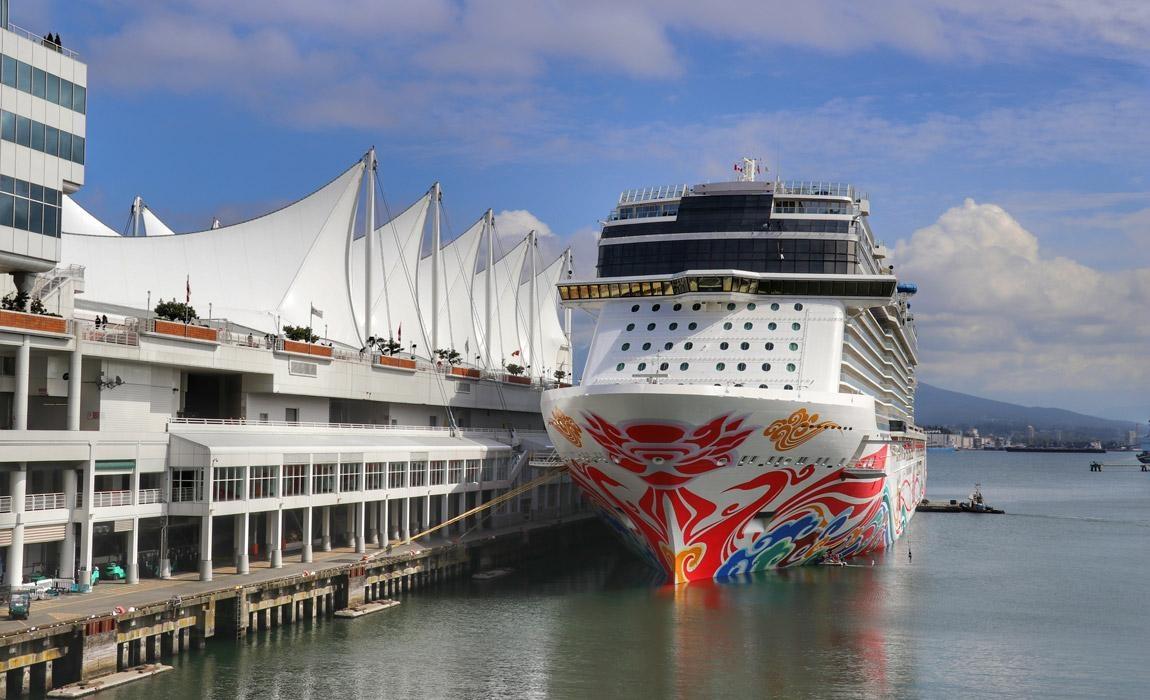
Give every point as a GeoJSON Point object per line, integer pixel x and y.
{"type": "Point", "coordinates": [752, 306]}
{"type": "Point", "coordinates": [635, 308]}
{"type": "Point", "coordinates": [762, 386]}
{"type": "Point", "coordinates": [688, 345]}
{"type": "Point", "coordinates": [724, 345]}
{"type": "Point", "coordinates": [790, 366]}
{"type": "Point", "coordinates": [730, 307]}
{"type": "Point", "coordinates": [748, 326]}
{"type": "Point", "coordinates": [650, 326]}
{"type": "Point", "coordinates": [793, 346]}
{"type": "Point", "coordinates": [744, 346]}
{"type": "Point", "coordinates": [677, 307]}
{"type": "Point", "coordinates": [742, 366]}
{"type": "Point", "coordinates": [727, 326]}
{"type": "Point", "coordinates": [696, 307]}
{"type": "Point", "coordinates": [798, 307]}
{"type": "Point", "coordinates": [788, 387]}
{"type": "Point", "coordinates": [692, 326]}
{"type": "Point", "coordinates": [769, 346]}
{"type": "Point", "coordinates": [646, 346]}
{"type": "Point", "coordinates": [619, 367]}
{"type": "Point", "coordinates": [795, 326]}
{"type": "Point", "coordinates": [626, 347]}
{"type": "Point", "coordinates": [663, 367]}
{"type": "Point", "coordinates": [721, 366]}
{"type": "Point", "coordinates": [772, 326]}
{"type": "Point", "coordinates": [774, 307]}
{"type": "Point", "coordinates": [673, 326]}
{"type": "Point", "coordinates": [683, 366]}
{"type": "Point", "coordinates": [668, 345]}
{"type": "Point", "coordinates": [642, 366]}
{"type": "Point", "coordinates": [630, 326]}
{"type": "Point", "coordinates": [766, 366]}
{"type": "Point", "coordinates": [655, 307]}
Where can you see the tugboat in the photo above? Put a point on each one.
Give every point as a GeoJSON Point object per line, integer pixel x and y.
{"type": "Point", "coordinates": [1144, 455]}
{"type": "Point", "coordinates": [975, 503]}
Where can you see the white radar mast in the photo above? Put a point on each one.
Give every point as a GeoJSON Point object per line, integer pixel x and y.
{"type": "Point", "coordinates": [748, 169]}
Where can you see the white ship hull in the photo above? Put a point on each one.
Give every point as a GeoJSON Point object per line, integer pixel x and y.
{"type": "Point", "coordinates": [711, 482]}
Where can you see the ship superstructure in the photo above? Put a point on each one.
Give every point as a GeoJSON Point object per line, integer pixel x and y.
{"type": "Point", "coordinates": [747, 401]}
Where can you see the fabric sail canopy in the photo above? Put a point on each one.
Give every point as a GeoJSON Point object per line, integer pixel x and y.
{"type": "Point", "coordinates": [153, 226]}
{"type": "Point", "coordinates": [261, 274]}
{"type": "Point", "coordinates": [76, 219]}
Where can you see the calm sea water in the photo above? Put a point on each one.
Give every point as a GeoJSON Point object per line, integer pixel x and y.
{"type": "Point", "coordinates": [1049, 600]}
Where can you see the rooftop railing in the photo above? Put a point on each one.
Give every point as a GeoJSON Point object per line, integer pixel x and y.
{"type": "Point", "coordinates": [647, 194]}
{"type": "Point", "coordinates": [812, 187]}
{"type": "Point", "coordinates": [33, 36]}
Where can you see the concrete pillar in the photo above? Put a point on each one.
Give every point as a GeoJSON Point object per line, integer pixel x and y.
{"type": "Point", "coordinates": [133, 568]}
{"type": "Point", "coordinates": [461, 499]}
{"type": "Point", "coordinates": [426, 512]}
{"type": "Point", "coordinates": [372, 523]}
{"type": "Point", "coordinates": [85, 574]}
{"type": "Point", "coordinates": [445, 515]}
{"type": "Point", "coordinates": [20, 398]}
{"type": "Point", "coordinates": [386, 519]}
{"type": "Point", "coordinates": [68, 546]}
{"type": "Point", "coordinates": [407, 518]}
{"type": "Point", "coordinates": [75, 364]}
{"type": "Point", "coordinates": [206, 548]}
{"type": "Point", "coordinates": [18, 482]}
{"type": "Point", "coordinates": [308, 535]}
{"type": "Point", "coordinates": [243, 536]}
{"type": "Point", "coordinates": [277, 539]}
{"type": "Point", "coordinates": [325, 530]}
{"type": "Point", "coordinates": [360, 527]}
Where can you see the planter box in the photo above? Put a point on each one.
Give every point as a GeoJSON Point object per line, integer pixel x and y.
{"type": "Point", "coordinates": [181, 330]}
{"type": "Point", "coordinates": [466, 372]}
{"type": "Point", "coordinates": [395, 362]}
{"type": "Point", "coordinates": [515, 379]}
{"type": "Point", "coordinates": [33, 322]}
{"type": "Point", "coordinates": [302, 348]}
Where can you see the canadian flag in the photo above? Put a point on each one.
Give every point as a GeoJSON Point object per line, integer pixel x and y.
{"type": "Point", "coordinates": [515, 354]}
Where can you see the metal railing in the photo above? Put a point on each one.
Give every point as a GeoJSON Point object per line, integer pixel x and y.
{"type": "Point", "coordinates": [826, 189]}
{"type": "Point", "coordinates": [5, 504]}
{"type": "Point", "coordinates": [126, 334]}
{"type": "Point", "coordinates": [151, 496]}
{"type": "Point", "coordinates": [184, 495]}
{"type": "Point", "coordinates": [312, 424]}
{"type": "Point", "coordinates": [108, 499]}
{"type": "Point", "coordinates": [44, 501]}
{"type": "Point", "coordinates": [33, 36]}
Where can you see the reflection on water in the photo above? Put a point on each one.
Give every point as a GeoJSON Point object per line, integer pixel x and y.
{"type": "Point", "coordinates": [1012, 605]}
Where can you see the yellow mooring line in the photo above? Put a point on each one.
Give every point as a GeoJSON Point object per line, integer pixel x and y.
{"type": "Point", "coordinates": [539, 481]}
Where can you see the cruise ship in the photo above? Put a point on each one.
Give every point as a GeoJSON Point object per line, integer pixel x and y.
{"type": "Point", "coordinates": [331, 374]}
{"type": "Point", "coordinates": [748, 397]}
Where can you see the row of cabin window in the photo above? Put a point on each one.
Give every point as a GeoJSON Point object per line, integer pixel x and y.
{"type": "Point", "coordinates": [749, 325]}
{"type": "Point", "coordinates": [793, 347]}
{"type": "Point", "coordinates": [684, 366]}
{"type": "Point", "coordinates": [38, 83]}
{"type": "Point", "coordinates": [41, 137]}
{"type": "Point", "coordinates": [731, 306]}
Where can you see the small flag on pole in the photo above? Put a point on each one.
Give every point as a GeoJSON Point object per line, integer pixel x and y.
{"type": "Point", "coordinates": [188, 290]}
{"type": "Point", "coordinates": [316, 312]}
{"type": "Point", "coordinates": [515, 354]}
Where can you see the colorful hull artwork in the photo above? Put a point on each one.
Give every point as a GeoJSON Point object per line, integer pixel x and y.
{"type": "Point", "coordinates": [781, 484]}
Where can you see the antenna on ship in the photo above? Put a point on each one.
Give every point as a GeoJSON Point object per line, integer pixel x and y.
{"type": "Point", "coordinates": [748, 169]}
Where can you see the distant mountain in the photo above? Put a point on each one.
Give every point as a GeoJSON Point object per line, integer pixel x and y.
{"type": "Point", "coordinates": [942, 407]}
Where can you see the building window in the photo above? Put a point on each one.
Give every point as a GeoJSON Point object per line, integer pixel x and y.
{"type": "Point", "coordinates": [46, 86]}
{"type": "Point", "coordinates": [262, 481]}
{"type": "Point", "coordinates": [418, 474]}
{"type": "Point", "coordinates": [438, 467]}
{"type": "Point", "coordinates": [502, 468]}
{"type": "Point", "coordinates": [396, 475]}
{"type": "Point", "coordinates": [323, 478]}
{"type": "Point", "coordinates": [455, 471]}
{"type": "Point", "coordinates": [488, 473]}
{"type": "Point", "coordinates": [375, 476]}
{"type": "Point", "coordinates": [295, 479]}
{"type": "Point", "coordinates": [187, 485]}
{"type": "Point", "coordinates": [473, 470]}
{"type": "Point", "coordinates": [349, 477]}
{"type": "Point", "coordinates": [227, 483]}
{"type": "Point", "coordinates": [291, 415]}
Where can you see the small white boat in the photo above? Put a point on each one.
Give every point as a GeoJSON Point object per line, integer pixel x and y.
{"type": "Point", "coordinates": [490, 574]}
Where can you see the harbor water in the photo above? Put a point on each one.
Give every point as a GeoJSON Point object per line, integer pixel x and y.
{"type": "Point", "coordinates": [1049, 600]}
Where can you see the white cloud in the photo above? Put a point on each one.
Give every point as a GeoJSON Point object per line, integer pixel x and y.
{"type": "Point", "coordinates": [998, 315]}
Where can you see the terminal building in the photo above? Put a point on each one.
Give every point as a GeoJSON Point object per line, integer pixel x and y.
{"type": "Point", "coordinates": [165, 444]}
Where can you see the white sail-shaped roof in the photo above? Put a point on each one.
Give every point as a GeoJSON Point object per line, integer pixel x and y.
{"type": "Point", "coordinates": [457, 305]}
{"type": "Point", "coordinates": [395, 298]}
{"type": "Point", "coordinates": [550, 342]}
{"type": "Point", "coordinates": [153, 226]}
{"type": "Point", "coordinates": [77, 219]}
{"type": "Point", "coordinates": [262, 273]}
{"type": "Point", "coordinates": [505, 337]}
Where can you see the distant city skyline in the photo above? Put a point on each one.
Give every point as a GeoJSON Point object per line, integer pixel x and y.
{"type": "Point", "coordinates": [1003, 146]}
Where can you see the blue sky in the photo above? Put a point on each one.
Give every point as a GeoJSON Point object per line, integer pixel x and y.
{"type": "Point", "coordinates": [1034, 291]}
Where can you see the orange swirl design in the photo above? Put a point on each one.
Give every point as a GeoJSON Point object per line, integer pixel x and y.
{"type": "Point", "coordinates": [687, 560]}
{"type": "Point", "coordinates": [792, 431]}
{"type": "Point", "coordinates": [566, 426]}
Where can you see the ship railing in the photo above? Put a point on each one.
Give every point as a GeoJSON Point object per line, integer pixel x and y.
{"type": "Point", "coordinates": [346, 426]}
{"type": "Point", "coordinates": [814, 187]}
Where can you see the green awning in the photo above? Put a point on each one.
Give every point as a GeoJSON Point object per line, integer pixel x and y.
{"type": "Point", "coordinates": [115, 464]}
